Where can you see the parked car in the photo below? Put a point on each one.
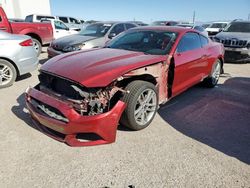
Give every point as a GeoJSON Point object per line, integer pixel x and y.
{"type": "Point", "coordinates": [17, 57]}
{"type": "Point", "coordinates": [41, 33]}
{"type": "Point", "coordinates": [92, 91]}
{"type": "Point", "coordinates": [69, 21]}
{"type": "Point", "coordinates": [60, 29]}
{"type": "Point", "coordinates": [216, 27]}
{"type": "Point", "coordinates": [236, 39]}
{"type": "Point", "coordinates": [164, 23]}
{"type": "Point", "coordinates": [196, 27]}
{"type": "Point", "coordinates": [93, 36]}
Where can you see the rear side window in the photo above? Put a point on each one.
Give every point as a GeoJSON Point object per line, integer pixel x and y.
{"type": "Point", "coordinates": [128, 26]}
{"type": "Point", "coordinates": [73, 20]}
{"type": "Point", "coordinates": [204, 40]}
{"type": "Point", "coordinates": [118, 29]}
{"type": "Point", "coordinates": [29, 18]}
{"type": "Point", "coordinates": [190, 41]}
{"type": "Point", "coordinates": [45, 17]}
{"type": "Point", "coordinates": [64, 19]}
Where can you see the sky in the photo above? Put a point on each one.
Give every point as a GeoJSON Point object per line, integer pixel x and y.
{"type": "Point", "coordinates": [152, 10]}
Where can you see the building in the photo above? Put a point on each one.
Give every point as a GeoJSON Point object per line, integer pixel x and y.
{"type": "Point", "coordinates": [22, 8]}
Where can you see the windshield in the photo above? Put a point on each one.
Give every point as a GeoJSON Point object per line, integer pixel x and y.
{"type": "Point", "coordinates": [149, 42]}
{"type": "Point", "coordinates": [218, 25]}
{"type": "Point", "coordinates": [238, 27]}
{"type": "Point", "coordinates": [96, 30]}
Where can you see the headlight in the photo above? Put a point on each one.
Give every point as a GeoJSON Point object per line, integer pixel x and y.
{"type": "Point", "coordinates": [73, 48]}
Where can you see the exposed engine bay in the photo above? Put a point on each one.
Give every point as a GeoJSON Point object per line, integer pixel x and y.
{"type": "Point", "coordinates": [86, 101]}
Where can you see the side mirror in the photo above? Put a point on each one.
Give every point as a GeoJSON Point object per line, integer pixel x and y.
{"type": "Point", "coordinates": [112, 35]}
{"type": "Point", "coordinates": [67, 29]}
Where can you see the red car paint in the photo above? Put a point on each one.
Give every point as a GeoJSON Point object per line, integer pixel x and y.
{"type": "Point", "coordinates": [101, 67]}
{"type": "Point", "coordinates": [41, 31]}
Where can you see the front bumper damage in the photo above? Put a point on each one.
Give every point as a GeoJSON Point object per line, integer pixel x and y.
{"type": "Point", "coordinates": [66, 125]}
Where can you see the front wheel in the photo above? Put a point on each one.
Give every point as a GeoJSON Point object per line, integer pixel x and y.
{"type": "Point", "coordinates": [142, 104]}
{"type": "Point", "coordinates": [213, 78]}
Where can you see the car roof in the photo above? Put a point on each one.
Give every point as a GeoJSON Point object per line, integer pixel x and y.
{"type": "Point", "coordinates": [165, 28]}
{"type": "Point", "coordinates": [112, 22]}
{"type": "Point", "coordinates": [219, 22]}
{"type": "Point", "coordinates": [241, 21]}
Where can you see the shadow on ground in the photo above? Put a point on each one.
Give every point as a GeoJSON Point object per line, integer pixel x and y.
{"type": "Point", "coordinates": [42, 61]}
{"type": "Point", "coordinates": [21, 111]}
{"type": "Point", "coordinates": [23, 77]}
{"type": "Point", "coordinates": [219, 117]}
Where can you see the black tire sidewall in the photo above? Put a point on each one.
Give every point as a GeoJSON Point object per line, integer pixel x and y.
{"type": "Point", "coordinates": [131, 102]}
{"type": "Point", "coordinates": [13, 72]}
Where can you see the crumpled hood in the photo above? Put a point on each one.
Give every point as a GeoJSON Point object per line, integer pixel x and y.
{"type": "Point", "coordinates": [98, 67]}
{"type": "Point", "coordinates": [233, 35]}
{"type": "Point", "coordinates": [71, 40]}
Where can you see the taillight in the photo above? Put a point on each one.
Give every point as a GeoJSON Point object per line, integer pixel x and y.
{"type": "Point", "coordinates": [28, 42]}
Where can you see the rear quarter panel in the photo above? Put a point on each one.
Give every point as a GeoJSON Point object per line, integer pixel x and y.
{"type": "Point", "coordinates": [214, 51]}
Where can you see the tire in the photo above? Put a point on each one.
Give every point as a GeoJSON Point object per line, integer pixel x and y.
{"type": "Point", "coordinates": [37, 45]}
{"type": "Point", "coordinates": [8, 74]}
{"type": "Point", "coordinates": [213, 78]}
{"type": "Point", "coordinates": [140, 110]}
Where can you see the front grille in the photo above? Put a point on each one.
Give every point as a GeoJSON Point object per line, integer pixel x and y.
{"type": "Point", "coordinates": [48, 110]}
{"type": "Point", "coordinates": [231, 56]}
{"type": "Point", "coordinates": [233, 43]}
{"type": "Point", "coordinates": [57, 47]}
{"type": "Point", "coordinates": [60, 85]}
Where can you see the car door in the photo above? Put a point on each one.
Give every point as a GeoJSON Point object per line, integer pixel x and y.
{"type": "Point", "coordinates": [61, 29]}
{"type": "Point", "coordinates": [188, 58]}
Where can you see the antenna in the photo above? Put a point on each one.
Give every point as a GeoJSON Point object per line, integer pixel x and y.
{"type": "Point", "coordinates": [193, 17]}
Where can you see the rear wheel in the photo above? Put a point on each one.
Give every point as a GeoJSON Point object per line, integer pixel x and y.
{"type": "Point", "coordinates": [37, 45]}
{"type": "Point", "coordinates": [142, 104]}
{"type": "Point", "coordinates": [7, 74]}
{"type": "Point", "coordinates": [213, 78]}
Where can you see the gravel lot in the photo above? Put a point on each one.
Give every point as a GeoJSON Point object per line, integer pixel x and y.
{"type": "Point", "coordinates": [199, 139]}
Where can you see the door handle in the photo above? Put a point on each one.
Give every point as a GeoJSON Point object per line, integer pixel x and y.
{"type": "Point", "coordinates": [3, 28]}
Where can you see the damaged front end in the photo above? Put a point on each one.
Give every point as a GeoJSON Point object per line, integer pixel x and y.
{"type": "Point", "coordinates": [62, 106]}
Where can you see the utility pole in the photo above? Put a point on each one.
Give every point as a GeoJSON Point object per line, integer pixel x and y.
{"type": "Point", "coordinates": [193, 17]}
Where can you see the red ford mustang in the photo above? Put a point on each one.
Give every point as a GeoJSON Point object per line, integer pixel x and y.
{"type": "Point", "coordinates": [89, 92]}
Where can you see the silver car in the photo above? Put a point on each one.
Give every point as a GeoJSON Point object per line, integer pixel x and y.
{"type": "Point", "coordinates": [17, 57]}
{"type": "Point", "coordinates": [93, 36]}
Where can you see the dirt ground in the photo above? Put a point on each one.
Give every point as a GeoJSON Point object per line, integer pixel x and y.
{"type": "Point", "coordinates": [199, 139]}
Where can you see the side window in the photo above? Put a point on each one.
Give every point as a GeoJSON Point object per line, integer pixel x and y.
{"type": "Point", "coordinates": [64, 19]}
{"type": "Point", "coordinates": [190, 41]}
{"type": "Point", "coordinates": [0, 19]}
{"type": "Point", "coordinates": [128, 26]}
{"type": "Point", "coordinates": [29, 18]}
{"type": "Point", "coordinates": [73, 20]}
{"type": "Point", "coordinates": [118, 29]}
{"type": "Point", "coordinates": [60, 25]}
{"type": "Point", "coordinates": [204, 40]}
{"type": "Point", "coordinates": [199, 28]}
